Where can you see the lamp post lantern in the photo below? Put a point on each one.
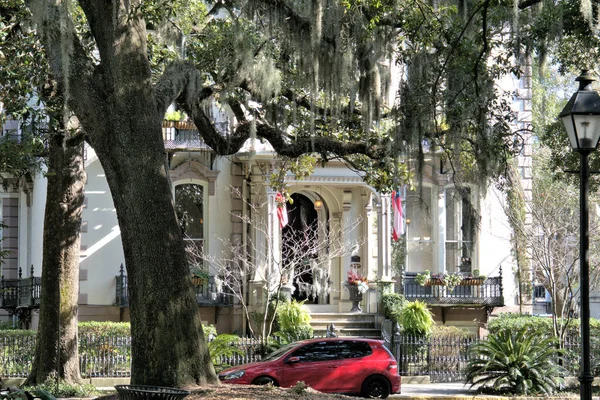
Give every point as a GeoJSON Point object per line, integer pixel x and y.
{"type": "Point", "coordinates": [581, 117]}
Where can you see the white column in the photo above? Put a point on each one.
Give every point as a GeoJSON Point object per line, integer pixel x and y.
{"type": "Point", "coordinates": [37, 220]}
{"type": "Point", "coordinates": [337, 270]}
{"type": "Point", "coordinates": [348, 236]}
{"type": "Point", "coordinates": [384, 230]}
{"type": "Point", "coordinates": [439, 230]}
{"type": "Point", "coordinates": [24, 231]}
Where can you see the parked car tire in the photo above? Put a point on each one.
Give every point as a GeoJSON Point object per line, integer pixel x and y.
{"type": "Point", "coordinates": [376, 387]}
{"type": "Point", "coordinates": [265, 380]}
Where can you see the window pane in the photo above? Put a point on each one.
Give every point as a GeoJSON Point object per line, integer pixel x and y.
{"type": "Point", "coordinates": [321, 351]}
{"type": "Point", "coordinates": [459, 231]}
{"type": "Point", "coordinates": [353, 349]}
{"type": "Point", "coordinates": [420, 256]}
{"type": "Point", "coordinates": [418, 213]}
{"type": "Point", "coordinates": [189, 206]}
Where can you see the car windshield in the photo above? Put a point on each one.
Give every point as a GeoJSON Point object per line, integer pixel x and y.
{"type": "Point", "coordinates": [279, 352]}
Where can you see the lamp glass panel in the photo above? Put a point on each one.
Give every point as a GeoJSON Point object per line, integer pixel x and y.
{"type": "Point", "coordinates": [588, 130]}
{"type": "Point", "coordinates": [568, 122]}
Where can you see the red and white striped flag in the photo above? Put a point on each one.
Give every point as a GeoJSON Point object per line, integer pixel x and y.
{"type": "Point", "coordinates": [281, 210]}
{"type": "Point", "coordinates": [398, 216]}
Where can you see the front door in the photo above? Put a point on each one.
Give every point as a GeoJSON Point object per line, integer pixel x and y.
{"type": "Point", "coordinates": [301, 247]}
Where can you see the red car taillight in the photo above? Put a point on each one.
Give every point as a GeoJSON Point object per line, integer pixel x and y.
{"type": "Point", "coordinates": [393, 365]}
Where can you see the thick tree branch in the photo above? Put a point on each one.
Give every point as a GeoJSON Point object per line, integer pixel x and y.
{"type": "Point", "coordinates": [528, 3]}
{"type": "Point", "coordinates": [69, 63]}
{"type": "Point", "coordinates": [180, 79]}
{"type": "Point", "coordinates": [308, 144]}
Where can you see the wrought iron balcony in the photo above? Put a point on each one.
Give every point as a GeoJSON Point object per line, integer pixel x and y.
{"type": "Point", "coordinates": [20, 292]}
{"type": "Point", "coordinates": [208, 293]}
{"type": "Point", "coordinates": [181, 135]}
{"type": "Point", "coordinates": [212, 294]}
{"type": "Point", "coordinates": [470, 291]}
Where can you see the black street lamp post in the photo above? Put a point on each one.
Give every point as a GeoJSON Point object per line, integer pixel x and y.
{"type": "Point", "coordinates": [581, 117]}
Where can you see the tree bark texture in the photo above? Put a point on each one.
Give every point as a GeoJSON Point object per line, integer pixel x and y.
{"type": "Point", "coordinates": [168, 347]}
{"type": "Point", "coordinates": [56, 349]}
{"type": "Point", "coordinates": [121, 112]}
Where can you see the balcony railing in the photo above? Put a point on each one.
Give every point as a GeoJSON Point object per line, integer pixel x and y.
{"type": "Point", "coordinates": [471, 291]}
{"type": "Point", "coordinates": [20, 292]}
{"type": "Point", "coordinates": [208, 293]}
{"type": "Point", "coordinates": [182, 135]}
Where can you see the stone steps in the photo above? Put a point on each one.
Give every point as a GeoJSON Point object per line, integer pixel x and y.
{"type": "Point", "coordinates": [346, 324]}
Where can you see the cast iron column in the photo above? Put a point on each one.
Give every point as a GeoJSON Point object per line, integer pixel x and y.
{"type": "Point", "coordinates": [586, 376]}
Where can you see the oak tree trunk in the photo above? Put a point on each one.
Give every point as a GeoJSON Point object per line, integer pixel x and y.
{"type": "Point", "coordinates": [56, 348]}
{"type": "Point", "coordinates": [168, 347]}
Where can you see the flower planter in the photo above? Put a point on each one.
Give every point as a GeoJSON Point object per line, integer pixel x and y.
{"type": "Point", "coordinates": [434, 282]}
{"type": "Point", "coordinates": [199, 281]}
{"type": "Point", "coordinates": [472, 281]}
{"type": "Point", "coordinates": [355, 297]}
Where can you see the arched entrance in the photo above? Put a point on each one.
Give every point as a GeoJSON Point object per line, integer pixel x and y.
{"type": "Point", "coordinates": [302, 247]}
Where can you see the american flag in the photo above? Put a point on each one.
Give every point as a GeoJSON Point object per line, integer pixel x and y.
{"type": "Point", "coordinates": [398, 216]}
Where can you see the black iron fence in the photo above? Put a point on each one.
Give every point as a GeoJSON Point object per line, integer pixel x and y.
{"type": "Point", "coordinates": [101, 356]}
{"type": "Point", "coordinates": [442, 359]}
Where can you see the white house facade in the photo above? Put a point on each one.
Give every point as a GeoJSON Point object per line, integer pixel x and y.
{"type": "Point", "coordinates": [211, 193]}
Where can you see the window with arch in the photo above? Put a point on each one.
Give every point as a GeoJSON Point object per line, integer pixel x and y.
{"type": "Point", "coordinates": [189, 207]}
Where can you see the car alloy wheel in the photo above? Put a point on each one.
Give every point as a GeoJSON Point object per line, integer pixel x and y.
{"type": "Point", "coordinates": [376, 388]}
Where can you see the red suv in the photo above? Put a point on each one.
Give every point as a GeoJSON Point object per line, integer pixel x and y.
{"type": "Point", "coordinates": [336, 365]}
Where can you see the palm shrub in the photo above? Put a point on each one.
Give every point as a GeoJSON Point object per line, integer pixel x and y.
{"type": "Point", "coordinates": [294, 321]}
{"type": "Point", "coordinates": [221, 348]}
{"type": "Point", "coordinates": [519, 361]}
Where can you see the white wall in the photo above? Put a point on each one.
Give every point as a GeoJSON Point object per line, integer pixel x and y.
{"type": "Point", "coordinates": [102, 251]}
{"type": "Point", "coordinates": [494, 244]}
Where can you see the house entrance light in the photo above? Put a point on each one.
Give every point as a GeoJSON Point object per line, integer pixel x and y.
{"type": "Point", "coordinates": [581, 117]}
{"type": "Point", "coordinates": [318, 204]}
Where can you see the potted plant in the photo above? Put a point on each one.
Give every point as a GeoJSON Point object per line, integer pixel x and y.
{"type": "Point", "coordinates": [357, 285]}
{"type": "Point", "coordinates": [452, 281]}
{"type": "Point", "coordinates": [200, 277]}
{"type": "Point", "coordinates": [423, 278]}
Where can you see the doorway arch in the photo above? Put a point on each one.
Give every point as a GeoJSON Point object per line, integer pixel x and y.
{"type": "Point", "coordinates": [303, 245]}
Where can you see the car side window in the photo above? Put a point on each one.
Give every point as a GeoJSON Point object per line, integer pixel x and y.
{"type": "Point", "coordinates": [354, 349]}
{"type": "Point", "coordinates": [319, 351]}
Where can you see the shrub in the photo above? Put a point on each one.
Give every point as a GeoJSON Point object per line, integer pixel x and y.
{"type": "Point", "coordinates": [63, 389]}
{"type": "Point", "coordinates": [416, 319]}
{"type": "Point", "coordinates": [294, 321]}
{"type": "Point", "coordinates": [520, 362]}
{"type": "Point", "coordinates": [391, 305]}
{"type": "Point", "coordinates": [104, 328]}
{"type": "Point", "coordinates": [209, 330]}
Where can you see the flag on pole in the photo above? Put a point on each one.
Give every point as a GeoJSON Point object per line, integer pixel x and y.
{"type": "Point", "coordinates": [281, 209]}
{"type": "Point", "coordinates": [398, 216]}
